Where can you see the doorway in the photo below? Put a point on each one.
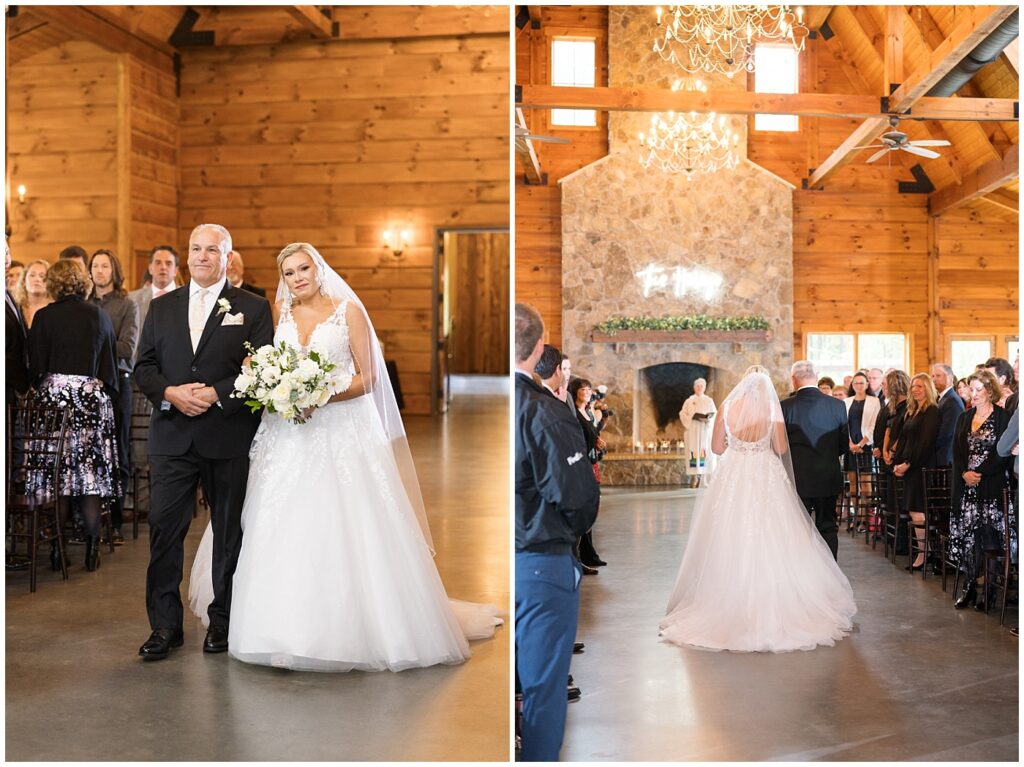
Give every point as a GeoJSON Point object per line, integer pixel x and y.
{"type": "Point", "coordinates": [471, 312]}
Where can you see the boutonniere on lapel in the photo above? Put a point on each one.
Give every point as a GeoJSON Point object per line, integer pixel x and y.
{"type": "Point", "coordinates": [223, 306]}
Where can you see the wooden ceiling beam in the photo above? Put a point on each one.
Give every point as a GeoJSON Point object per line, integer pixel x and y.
{"type": "Point", "coordinates": [526, 153]}
{"type": "Point", "coordinates": [535, 13]}
{"type": "Point", "coordinates": [892, 63]}
{"type": "Point", "coordinates": [976, 25]}
{"type": "Point", "coordinates": [979, 183]}
{"type": "Point", "coordinates": [1011, 55]}
{"type": "Point", "coordinates": [1008, 201]}
{"type": "Point", "coordinates": [816, 16]}
{"type": "Point", "coordinates": [313, 21]}
{"type": "Point", "coordinates": [80, 22]}
{"type": "Point", "coordinates": [118, 21]}
{"type": "Point", "coordinates": [746, 103]}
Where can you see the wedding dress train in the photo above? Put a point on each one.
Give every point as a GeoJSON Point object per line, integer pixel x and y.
{"type": "Point", "coordinates": [334, 572]}
{"type": "Point", "coordinates": [756, 576]}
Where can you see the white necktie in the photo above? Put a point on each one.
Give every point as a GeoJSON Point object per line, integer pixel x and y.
{"type": "Point", "coordinates": [197, 317]}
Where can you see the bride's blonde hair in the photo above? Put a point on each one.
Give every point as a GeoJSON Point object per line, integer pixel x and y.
{"type": "Point", "coordinates": [298, 247]}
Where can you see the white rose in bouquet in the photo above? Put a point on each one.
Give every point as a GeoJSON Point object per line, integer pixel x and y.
{"type": "Point", "coordinates": [285, 381]}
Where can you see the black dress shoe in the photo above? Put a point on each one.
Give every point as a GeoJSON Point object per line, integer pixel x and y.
{"type": "Point", "coordinates": [593, 562]}
{"type": "Point", "coordinates": [574, 694]}
{"type": "Point", "coordinates": [967, 597]}
{"type": "Point", "coordinates": [577, 648]}
{"type": "Point", "coordinates": [160, 643]}
{"type": "Point", "coordinates": [588, 570]}
{"type": "Point", "coordinates": [216, 639]}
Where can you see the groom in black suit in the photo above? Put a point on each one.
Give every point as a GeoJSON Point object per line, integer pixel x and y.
{"type": "Point", "coordinates": [818, 434]}
{"type": "Point", "coordinates": [191, 351]}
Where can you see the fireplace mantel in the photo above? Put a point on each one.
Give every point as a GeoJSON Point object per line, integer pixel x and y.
{"type": "Point", "coordinates": [682, 337]}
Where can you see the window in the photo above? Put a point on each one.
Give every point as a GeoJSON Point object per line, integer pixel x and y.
{"type": "Point", "coordinates": [572, 64]}
{"type": "Point", "coordinates": [968, 353]}
{"type": "Point", "coordinates": [838, 355]}
{"type": "Point", "coordinates": [775, 72]}
{"type": "Point", "coordinates": [1012, 348]}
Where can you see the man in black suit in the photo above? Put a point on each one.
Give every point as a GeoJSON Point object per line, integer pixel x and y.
{"type": "Point", "coordinates": [818, 434]}
{"type": "Point", "coordinates": [236, 274]}
{"type": "Point", "coordinates": [950, 408]}
{"type": "Point", "coordinates": [190, 353]}
{"type": "Point", "coordinates": [15, 343]}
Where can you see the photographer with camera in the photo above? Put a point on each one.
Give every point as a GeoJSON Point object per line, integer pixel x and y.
{"type": "Point", "coordinates": [582, 393]}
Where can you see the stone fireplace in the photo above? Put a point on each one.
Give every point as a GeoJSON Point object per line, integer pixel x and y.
{"type": "Point", "coordinates": [639, 242]}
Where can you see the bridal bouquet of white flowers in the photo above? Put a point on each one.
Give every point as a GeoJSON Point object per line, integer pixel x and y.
{"type": "Point", "coordinates": [287, 382]}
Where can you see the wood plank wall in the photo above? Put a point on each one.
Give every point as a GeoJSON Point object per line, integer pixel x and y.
{"type": "Point", "coordinates": [332, 143]}
{"type": "Point", "coordinates": [62, 142]}
{"type": "Point", "coordinates": [152, 125]}
{"type": "Point", "coordinates": [538, 208]}
{"type": "Point", "coordinates": [479, 289]}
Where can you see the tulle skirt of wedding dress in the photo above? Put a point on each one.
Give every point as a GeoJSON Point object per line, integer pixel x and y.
{"type": "Point", "coordinates": [334, 574]}
{"type": "Point", "coordinates": [756, 575]}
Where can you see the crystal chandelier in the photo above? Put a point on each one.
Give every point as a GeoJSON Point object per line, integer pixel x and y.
{"type": "Point", "coordinates": [705, 39]}
{"type": "Point", "coordinates": [689, 143]}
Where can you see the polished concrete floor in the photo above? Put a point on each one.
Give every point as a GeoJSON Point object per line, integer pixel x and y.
{"type": "Point", "coordinates": [76, 690]}
{"type": "Point", "coordinates": [915, 681]}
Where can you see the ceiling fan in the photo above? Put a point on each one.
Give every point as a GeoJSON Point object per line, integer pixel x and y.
{"type": "Point", "coordinates": [896, 139]}
{"type": "Point", "coordinates": [522, 134]}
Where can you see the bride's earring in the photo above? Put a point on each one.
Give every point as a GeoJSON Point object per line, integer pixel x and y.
{"type": "Point", "coordinates": [320, 285]}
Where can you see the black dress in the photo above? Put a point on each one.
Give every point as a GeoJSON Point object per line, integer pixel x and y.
{"type": "Point", "coordinates": [917, 447]}
{"type": "Point", "coordinates": [73, 359]}
{"type": "Point", "coordinates": [855, 419]}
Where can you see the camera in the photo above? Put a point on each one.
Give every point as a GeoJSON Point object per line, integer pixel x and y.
{"type": "Point", "coordinates": [599, 394]}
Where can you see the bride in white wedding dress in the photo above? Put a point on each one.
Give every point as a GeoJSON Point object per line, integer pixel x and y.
{"type": "Point", "coordinates": [756, 575]}
{"type": "Point", "coordinates": [336, 570]}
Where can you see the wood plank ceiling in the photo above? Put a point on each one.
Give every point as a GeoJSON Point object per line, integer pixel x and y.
{"type": "Point", "coordinates": [855, 36]}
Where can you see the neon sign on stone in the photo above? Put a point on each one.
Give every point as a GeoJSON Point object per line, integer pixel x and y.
{"type": "Point", "coordinates": [680, 281]}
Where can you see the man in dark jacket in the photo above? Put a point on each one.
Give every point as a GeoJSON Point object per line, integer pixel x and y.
{"type": "Point", "coordinates": [556, 501]}
{"type": "Point", "coordinates": [817, 428]}
{"type": "Point", "coordinates": [950, 408]}
{"type": "Point", "coordinates": [15, 343]}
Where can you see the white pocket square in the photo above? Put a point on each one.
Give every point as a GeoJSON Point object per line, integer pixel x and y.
{"type": "Point", "coordinates": [234, 319]}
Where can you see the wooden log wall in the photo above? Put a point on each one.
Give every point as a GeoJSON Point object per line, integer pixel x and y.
{"type": "Point", "coordinates": [333, 143]}
{"type": "Point", "coordinates": [62, 144]}
{"type": "Point", "coordinates": [538, 217]}
{"type": "Point", "coordinates": [479, 290]}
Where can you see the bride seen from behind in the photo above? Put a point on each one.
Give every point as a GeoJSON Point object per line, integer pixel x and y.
{"type": "Point", "coordinates": [336, 570]}
{"type": "Point", "coordinates": [756, 576]}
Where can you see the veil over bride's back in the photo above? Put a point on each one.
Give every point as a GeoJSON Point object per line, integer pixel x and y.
{"type": "Point", "coordinates": [752, 413]}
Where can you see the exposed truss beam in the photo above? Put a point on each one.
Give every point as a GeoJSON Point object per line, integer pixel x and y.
{"type": "Point", "coordinates": [979, 183]}
{"type": "Point", "coordinates": [1011, 55]}
{"type": "Point", "coordinates": [1006, 200]}
{"type": "Point", "coordinates": [816, 16]}
{"type": "Point", "coordinates": [976, 24]}
{"type": "Point", "coordinates": [743, 102]}
{"type": "Point", "coordinates": [310, 17]}
{"type": "Point", "coordinates": [526, 153]}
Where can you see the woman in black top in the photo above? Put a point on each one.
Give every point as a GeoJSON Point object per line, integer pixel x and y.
{"type": "Point", "coordinates": [979, 476]}
{"type": "Point", "coordinates": [73, 359]}
{"type": "Point", "coordinates": [581, 391]}
{"type": "Point", "coordinates": [915, 451]}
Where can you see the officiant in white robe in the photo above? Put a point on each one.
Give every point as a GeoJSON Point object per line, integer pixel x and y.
{"type": "Point", "coordinates": [698, 418]}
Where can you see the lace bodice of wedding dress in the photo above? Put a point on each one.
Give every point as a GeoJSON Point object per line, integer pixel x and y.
{"type": "Point", "coordinates": [329, 337]}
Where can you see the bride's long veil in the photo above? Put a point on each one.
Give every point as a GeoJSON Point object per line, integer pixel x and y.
{"type": "Point", "coordinates": [752, 410]}
{"type": "Point", "coordinates": [377, 385]}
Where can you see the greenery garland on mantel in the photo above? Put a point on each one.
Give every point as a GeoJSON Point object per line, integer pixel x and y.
{"type": "Point", "coordinates": [682, 323]}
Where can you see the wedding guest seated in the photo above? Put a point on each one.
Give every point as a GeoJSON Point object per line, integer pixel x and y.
{"type": "Point", "coordinates": [236, 273]}
{"type": "Point", "coordinates": [109, 294]}
{"type": "Point", "coordinates": [13, 274]}
{"type": "Point", "coordinates": [950, 407]}
{"type": "Point", "coordinates": [73, 359]}
{"type": "Point", "coordinates": [826, 385]}
{"type": "Point", "coordinates": [979, 476]}
{"type": "Point", "coordinates": [30, 292]}
{"type": "Point", "coordinates": [1003, 371]}
{"type": "Point", "coordinates": [915, 452]}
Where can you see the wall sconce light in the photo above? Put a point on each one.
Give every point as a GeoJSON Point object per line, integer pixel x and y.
{"type": "Point", "coordinates": [396, 242]}
{"type": "Point", "coordinates": [21, 193]}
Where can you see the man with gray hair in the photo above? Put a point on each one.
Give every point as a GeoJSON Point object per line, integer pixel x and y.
{"type": "Point", "coordinates": [236, 274]}
{"type": "Point", "coordinates": [818, 435]}
{"type": "Point", "coordinates": [190, 352]}
{"type": "Point", "coordinates": [556, 502]}
{"type": "Point", "coordinates": [950, 408]}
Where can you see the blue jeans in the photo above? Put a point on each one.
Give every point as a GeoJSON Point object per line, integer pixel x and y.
{"type": "Point", "coordinates": [547, 606]}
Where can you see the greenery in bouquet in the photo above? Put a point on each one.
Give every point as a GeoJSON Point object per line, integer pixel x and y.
{"type": "Point", "coordinates": [688, 322]}
{"type": "Point", "coordinates": [287, 382]}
